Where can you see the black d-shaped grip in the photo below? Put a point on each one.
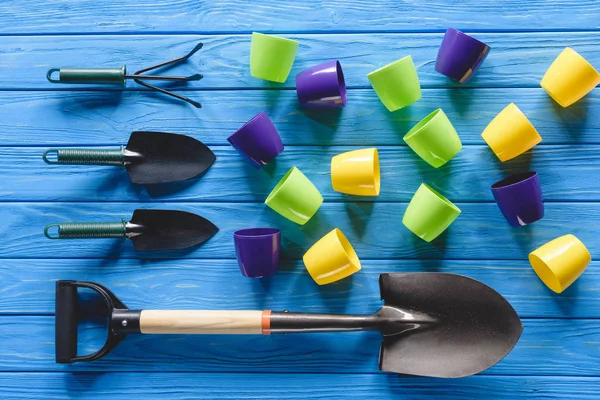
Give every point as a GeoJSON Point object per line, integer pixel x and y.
{"type": "Point", "coordinates": [66, 322]}
{"type": "Point", "coordinates": [122, 321]}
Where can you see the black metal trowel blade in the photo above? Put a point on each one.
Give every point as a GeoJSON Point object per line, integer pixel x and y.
{"type": "Point", "coordinates": [169, 230]}
{"type": "Point", "coordinates": [166, 157]}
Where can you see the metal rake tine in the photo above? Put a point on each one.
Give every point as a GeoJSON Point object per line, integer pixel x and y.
{"type": "Point", "coordinates": [168, 93]}
{"type": "Point", "coordinates": [175, 61]}
{"type": "Point", "coordinates": [194, 50]}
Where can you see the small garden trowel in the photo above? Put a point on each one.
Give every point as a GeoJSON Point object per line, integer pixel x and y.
{"type": "Point", "coordinates": [149, 157]}
{"type": "Point", "coordinates": [149, 230]}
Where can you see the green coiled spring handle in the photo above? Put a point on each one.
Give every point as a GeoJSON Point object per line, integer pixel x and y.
{"type": "Point", "coordinates": [109, 76]}
{"type": "Point", "coordinates": [85, 156]}
{"type": "Point", "coordinates": [87, 230]}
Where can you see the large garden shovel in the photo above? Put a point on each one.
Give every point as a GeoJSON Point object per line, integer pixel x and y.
{"type": "Point", "coordinates": [433, 324]}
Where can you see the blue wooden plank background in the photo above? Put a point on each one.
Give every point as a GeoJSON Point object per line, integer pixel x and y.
{"type": "Point", "coordinates": [558, 356]}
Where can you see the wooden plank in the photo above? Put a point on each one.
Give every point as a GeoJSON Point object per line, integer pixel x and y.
{"type": "Point", "coordinates": [547, 347]}
{"type": "Point", "coordinates": [24, 16]}
{"type": "Point", "coordinates": [374, 229]}
{"type": "Point", "coordinates": [28, 286]}
{"type": "Point", "coordinates": [515, 60]}
{"type": "Point", "coordinates": [567, 173]}
{"type": "Point", "coordinates": [96, 118]}
{"type": "Point", "coordinates": [161, 386]}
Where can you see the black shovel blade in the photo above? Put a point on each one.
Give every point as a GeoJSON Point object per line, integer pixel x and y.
{"type": "Point", "coordinates": [166, 157]}
{"type": "Point", "coordinates": [169, 230]}
{"type": "Point", "coordinates": [468, 326]}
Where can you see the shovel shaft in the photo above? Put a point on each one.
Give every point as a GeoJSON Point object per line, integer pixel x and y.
{"type": "Point", "coordinates": [286, 322]}
{"type": "Point", "coordinates": [85, 156]}
{"type": "Point", "coordinates": [87, 230]}
{"type": "Point", "coordinates": [201, 322]}
{"type": "Point", "coordinates": [249, 322]}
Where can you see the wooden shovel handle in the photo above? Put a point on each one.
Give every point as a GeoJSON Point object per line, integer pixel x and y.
{"type": "Point", "coordinates": [204, 322]}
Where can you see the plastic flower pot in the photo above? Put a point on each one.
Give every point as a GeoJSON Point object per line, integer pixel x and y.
{"type": "Point", "coordinates": [460, 55]}
{"type": "Point", "coordinates": [257, 140]}
{"type": "Point", "coordinates": [322, 86]}
{"type": "Point", "coordinates": [510, 134]}
{"type": "Point", "coordinates": [271, 57]}
{"type": "Point", "coordinates": [257, 251]}
{"type": "Point", "coordinates": [434, 139]}
{"type": "Point", "coordinates": [332, 258]}
{"type": "Point", "coordinates": [570, 78]}
{"type": "Point", "coordinates": [429, 213]}
{"type": "Point", "coordinates": [560, 262]}
{"type": "Point", "coordinates": [519, 198]}
{"type": "Point", "coordinates": [295, 197]}
{"type": "Point", "coordinates": [396, 84]}
{"type": "Point", "coordinates": [356, 172]}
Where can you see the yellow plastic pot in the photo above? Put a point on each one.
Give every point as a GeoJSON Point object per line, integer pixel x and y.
{"type": "Point", "coordinates": [510, 134]}
{"type": "Point", "coordinates": [569, 78]}
{"type": "Point", "coordinates": [356, 172]}
{"type": "Point", "coordinates": [560, 262]}
{"type": "Point", "coordinates": [332, 258]}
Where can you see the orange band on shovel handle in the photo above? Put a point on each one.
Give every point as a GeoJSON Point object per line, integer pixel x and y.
{"type": "Point", "coordinates": [266, 322]}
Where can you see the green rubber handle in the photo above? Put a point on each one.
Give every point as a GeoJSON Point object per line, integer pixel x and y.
{"type": "Point", "coordinates": [109, 76]}
{"type": "Point", "coordinates": [84, 156]}
{"type": "Point", "coordinates": [87, 230]}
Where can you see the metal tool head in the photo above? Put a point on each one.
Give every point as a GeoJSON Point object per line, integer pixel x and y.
{"type": "Point", "coordinates": [154, 230]}
{"type": "Point", "coordinates": [162, 157]}
{"type": "Point", "coordinates": [462, 327]}
{"type": "Point", "coordinates": [67, 319]}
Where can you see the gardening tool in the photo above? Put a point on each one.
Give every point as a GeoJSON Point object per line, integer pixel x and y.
{"type": "Point", "coordinates": [119, 76]}
{"type": "Point", "coordinates": [149, 230]}
{"type": "Point", "coordinates": [149, 157]}
{"type": "Point", "coordinates": [433, 324]}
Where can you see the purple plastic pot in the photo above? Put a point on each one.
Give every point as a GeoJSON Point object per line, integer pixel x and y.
{"type": "Point", "coordinates": [257, 251]}
{"type": "Point", "coordinates": [460, 55]}
{"type": "Point", "coordinates": [322, 86]}
{"type": "Point", "coordinates": [257, 140]}
{"type": "Point", "coordinates": [519, 197]}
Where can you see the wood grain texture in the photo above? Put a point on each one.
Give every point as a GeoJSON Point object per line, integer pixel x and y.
{"type": "Point", "coordinates": [558, 346]}
{"type": "Point", "coordinates": [567, 173]}
{"type": "Point", "coordinates": [159, 386]}
{"type": "Point", "coordinates": [515, 60]}
{"type": "Point", "coordinates": [95, 118]}
{"type": "Point", "coordinates": [558, 356]}
{"type": "Point", "coordinates": [25, 16]}
{"type": "Point", "coordinates": [374, 229]}
{"type": "Point", "coordinates": [28, 285]}
{"type": "Point", "coordinates": [201, 322]}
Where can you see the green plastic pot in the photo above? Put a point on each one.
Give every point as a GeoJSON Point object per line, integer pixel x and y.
{"type": "Point", "coordinates": [434, 139]}
{"type": "Point", "coordinates": [429, 213]}
{"type": "Point", "coordinates": [272, 57]}
{"type": "Point", "coordinates": [295, 197]}
{"type": "Point", "coordinates": [396, 84]}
